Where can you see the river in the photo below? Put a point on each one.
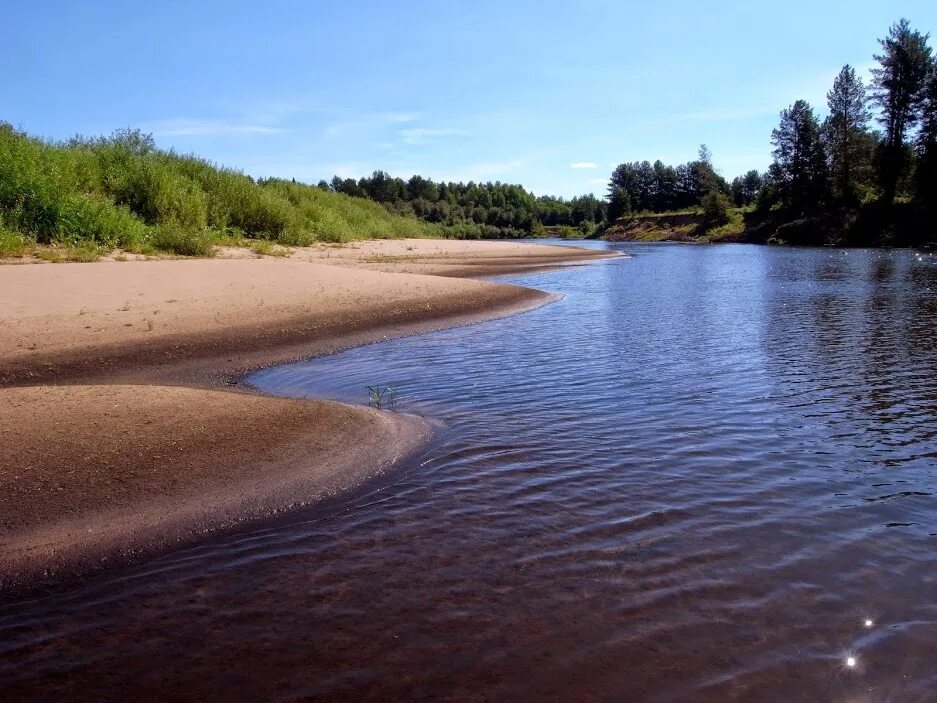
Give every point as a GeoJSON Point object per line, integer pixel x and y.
{"type": "Point", "coordinates": [707, 473]}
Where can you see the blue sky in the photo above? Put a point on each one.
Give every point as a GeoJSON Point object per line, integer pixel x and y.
{"type": "Point", "coordinates": [551, 95]}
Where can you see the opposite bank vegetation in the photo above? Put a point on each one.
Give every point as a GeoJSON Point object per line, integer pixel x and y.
{"type": "Point", "coordinates": [839, 181]}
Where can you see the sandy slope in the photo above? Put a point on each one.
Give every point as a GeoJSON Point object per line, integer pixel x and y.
{"type": "Point", "coordinates": [149, 450]}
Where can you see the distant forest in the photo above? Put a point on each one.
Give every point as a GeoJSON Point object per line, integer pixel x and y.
{"type": "Point", "coordinates": [836, 181]}
{"type": "Point", "coordinates": [475, 209]}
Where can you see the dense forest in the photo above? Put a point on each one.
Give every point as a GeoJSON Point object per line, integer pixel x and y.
{"type": "Point", "coordinates": [475, 209]}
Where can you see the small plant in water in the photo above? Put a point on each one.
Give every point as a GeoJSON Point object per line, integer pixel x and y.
{"type": "Point", "coordinates": [381, 396]}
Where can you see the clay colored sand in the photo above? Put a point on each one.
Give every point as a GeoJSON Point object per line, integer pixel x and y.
{"type": "Point", "coordinates": [130, 461]}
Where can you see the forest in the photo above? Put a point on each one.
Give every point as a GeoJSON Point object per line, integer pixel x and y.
{"type": "Point", "coordinates": [476, 209]}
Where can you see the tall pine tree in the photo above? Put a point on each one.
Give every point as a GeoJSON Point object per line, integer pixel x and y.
{"type": "Point", "coordinates": [845, 132]}
{"type": "Point", "coordinates": [799, 168]}
{"type": "Point", "coordinates": [926, 176]}
{"type": "Point", "coordinates": [898, 89]}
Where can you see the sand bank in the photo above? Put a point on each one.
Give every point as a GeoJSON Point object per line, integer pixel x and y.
{"type": "Point", "coordinates": [153, 445]}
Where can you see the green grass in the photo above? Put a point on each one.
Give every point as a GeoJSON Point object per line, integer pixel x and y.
{"type": "Point", "coordinates": [265, 248]}
{"type": "Point", "coordinates": [89, 196]}
{"type": "Point", "coordinates": [731, 231]}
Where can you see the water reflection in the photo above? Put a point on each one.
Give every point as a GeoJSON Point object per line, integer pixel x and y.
{"type": "Point", "coordinates": [699, 476]}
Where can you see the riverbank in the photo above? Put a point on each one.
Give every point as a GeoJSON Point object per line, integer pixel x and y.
{"type": "Point", "coordinates": [871, 225]}
{"type": "Point", "coordinates": [158, 443]}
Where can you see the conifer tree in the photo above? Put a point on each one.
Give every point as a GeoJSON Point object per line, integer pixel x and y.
{"type": "Point", "coordinates": [926, 174]}
{"type": "Point", "coordinates": [898, 89]}
{"type": "Point", "coordinates": [799, 167]}
{"type": "Point", "coordinates": [845, 130]}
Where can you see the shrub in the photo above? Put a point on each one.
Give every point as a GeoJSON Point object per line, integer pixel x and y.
{"type": "Point", "coordinates": [177, 239]}
{"type": "Point", "coordinates": [95, 219]}
{"type": "Point", "coordinates": [121, 191]}
{"type": "Point", "coordinates": [716, 208]}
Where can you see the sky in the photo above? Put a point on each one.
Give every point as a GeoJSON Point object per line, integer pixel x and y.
{"type": "Point", "coordinates": [547, 94]}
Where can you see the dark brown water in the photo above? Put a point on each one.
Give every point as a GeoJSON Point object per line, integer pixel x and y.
{"type": "Point", "coordinates": [694, 478]}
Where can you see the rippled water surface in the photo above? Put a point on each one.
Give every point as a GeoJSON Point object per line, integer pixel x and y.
{"type": "Point", "coordinates": [696, 477]}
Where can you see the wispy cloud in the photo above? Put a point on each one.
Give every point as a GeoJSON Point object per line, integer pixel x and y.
{"type": "Point", "coordinates": [363, 123]}
{"type": "Point", "coordinates": [184, 127]}
{"type": "Point", "coordinates": [584, 164]}
{"type": "Point", "coordinates": [422, 135]}
{"type": "Point", "coordinates": [597, 181]}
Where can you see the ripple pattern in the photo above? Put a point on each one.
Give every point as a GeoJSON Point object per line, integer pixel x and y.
{"type": "Point", "coordinates": [693, 478]}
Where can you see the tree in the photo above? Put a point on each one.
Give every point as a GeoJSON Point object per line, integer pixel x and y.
{"type": "Point", "coordinates": [715, 209]}
{"type": "Point", "coordinates": [619, 204]}
{"type": "Point", "coordinates": [745, 188]}
{"type": "Point", "coordinates": [898, 89]}
{"type": "Point", "coordinates": [844, 129]}
{"type": "Point", "coordinates": [799, 167]}
{"type": "Point", "coordinates": [752, 183]}
{"type": "Point", "coordinates": [926, 173]}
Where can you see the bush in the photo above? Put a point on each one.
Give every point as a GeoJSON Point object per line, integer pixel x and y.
{"type": "Point", "coordinates": [121, 191]}
{"type": "Point", "coordinates": [716, 208]}
{"type": "Point", "coordinates": [94, 219]}
{"type": "Point", "coordinates": [176, 239]}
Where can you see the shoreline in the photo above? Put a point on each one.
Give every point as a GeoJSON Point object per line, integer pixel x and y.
{"type": "Point", "coordinates": [88, 428]}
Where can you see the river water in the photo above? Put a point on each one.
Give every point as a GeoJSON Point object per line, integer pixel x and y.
{"type": "Point", "coordinates": [707, 473]}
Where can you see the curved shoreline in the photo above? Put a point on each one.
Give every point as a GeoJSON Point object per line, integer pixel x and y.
{"type": "Point", "coordinates": [147, 445]}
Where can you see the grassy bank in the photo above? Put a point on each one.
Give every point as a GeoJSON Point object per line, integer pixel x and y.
{"type": "Point", "coordinates": [682, 226]}
{"type": "Point", "coordinates": [869, 225]}
{"type": "Point", "coordinates": [84, 197]}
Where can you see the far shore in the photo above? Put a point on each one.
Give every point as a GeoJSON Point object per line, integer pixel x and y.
{"type": "Point", "coordinates": [124, 430]}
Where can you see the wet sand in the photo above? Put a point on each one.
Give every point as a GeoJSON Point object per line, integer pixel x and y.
{"type": "Point", "coordinates": [157, 443]}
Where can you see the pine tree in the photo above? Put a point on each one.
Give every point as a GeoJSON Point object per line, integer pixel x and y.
{"type": "Point", "coordinates": [619, 204]}
{"type": "Point", "coordinates": [926, 175]}
{"type": "Point", "coordinates": [799, 160]}
{"type": "Point", "coordinates": [844, 130]}
{"type": "Point", "coordinates": [898, 88]}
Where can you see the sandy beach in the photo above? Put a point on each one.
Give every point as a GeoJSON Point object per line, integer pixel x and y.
{"type": "Point", "coordinates": [122, 428]}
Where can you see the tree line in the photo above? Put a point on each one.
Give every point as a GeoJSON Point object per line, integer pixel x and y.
{"type": "Point", "coordinates": [474, 209]}
{"type": "Point", "coordinates": [834, 166]}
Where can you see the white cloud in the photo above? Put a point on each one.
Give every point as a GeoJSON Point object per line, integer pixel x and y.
{"type": "Point", "coordinates": [422, 135]}
{"type": "Point", "coordinates": [184, 127]}
{"type": "Point", "coordinates": [584, 164]}
{"type": "Point", "coordinates": [597, 181]}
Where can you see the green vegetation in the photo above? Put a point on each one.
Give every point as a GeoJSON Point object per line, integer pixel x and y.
{"type": "Point", "coordinates": [86, 197]}
{"type": "Point", "coordinates": [840, 181]}
{"type": "Point", "coordinates": [474, 210]}
{"type": "Point", "coordinates": [644, 187]}
{"type": "Point", "coordinates": [718, 223]}
{"type": "Point", "coordinates": [836, 181]}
